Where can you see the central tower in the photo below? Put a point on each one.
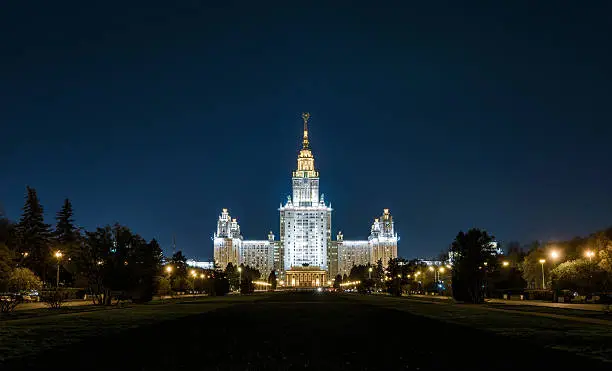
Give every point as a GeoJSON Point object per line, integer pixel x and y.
{"type": "Point", "coordinates": [305, 220]}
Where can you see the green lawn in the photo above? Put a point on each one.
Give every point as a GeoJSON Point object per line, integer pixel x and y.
{"type": "Point", "coordinates": [29, 333]}
{"type": "Point", "coordinates": [593, 340]}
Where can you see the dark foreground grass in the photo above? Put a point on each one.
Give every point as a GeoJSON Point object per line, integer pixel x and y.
{"type": "Point", "coordinates": [526, 323]}
{"type": "Point", "coordinates": [303, 331]}
{"type": "Point", "coordinates": [30, 333]}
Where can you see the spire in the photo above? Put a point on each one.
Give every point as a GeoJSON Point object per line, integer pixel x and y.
{"type": "Point", "coordinates": [305, 168]}
{"type": "Point", "coordinates": [305, 117]}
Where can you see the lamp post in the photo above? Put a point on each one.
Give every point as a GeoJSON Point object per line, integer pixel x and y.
{"type": "Point", "coordinates": [589, 255]}
{"type": "Point", "coordinates": [239, 278]}
{"type": "Point", "coordinates": [440, 270]}
{"type": "Point", "coordinates": [58, 255]}
{"type": "Point", "coordinates": [370, 273]}
{"type": "Point", "coordinates": [542, 261]}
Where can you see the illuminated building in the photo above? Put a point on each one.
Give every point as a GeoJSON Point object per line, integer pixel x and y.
{"type": "Point", "coordinates": [259, 255]}
{"type": "Point", "coordinates": [305, 219]}
{"type": "Point", "coordinates": [227, 241]}
{"type": "Point", "coordinates": [380, 245]}
{"type": "Point", "coordinates": [305, 247]}
{"type": "Point", "coordinates": [383, 239]}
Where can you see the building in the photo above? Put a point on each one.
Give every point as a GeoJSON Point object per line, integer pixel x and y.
{"type": "Point", "coordinates": [227, 240]}
{"type": "Point", "coordinates": [201, 265]}
{"type": "Point", "coordinates": [351, 253]}
{"type": "Point", "coordinates": [383, 239]}
{"type": "Point", "coordinates": [305, 253]}
{"type": "Point", "coordinates": [259, 254]}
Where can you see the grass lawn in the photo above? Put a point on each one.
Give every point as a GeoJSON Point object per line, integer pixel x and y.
{"type": "Point", "coordinates": [30, 332]}
{"type": "Point", "coordinates": [296, 331]}
{"type": "Point", "coordinates": [592, 340]}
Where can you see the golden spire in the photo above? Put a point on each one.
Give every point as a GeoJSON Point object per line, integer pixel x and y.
{"type": "Point", "coordinates": [305, 117]}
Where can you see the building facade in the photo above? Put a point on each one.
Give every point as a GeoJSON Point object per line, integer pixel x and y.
{"type": "Point", "coordinates": [305, 247]}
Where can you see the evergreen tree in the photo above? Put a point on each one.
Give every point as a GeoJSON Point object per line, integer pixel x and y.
{"type": "Point", "coordinates": [272, 280]}
{"type": "Point", "coordinates": [472, 257]}
{"type": "Point", "coordinates": [337, 281]}
{"type": "Point", "coordinates": [67, 239]}
{"type": "Point", "coordinates": [144, 265]}
{"type": "Point", "coordinates": [33, 235]}
{"type": "Point", "coordinates": [179, 263]}
{"type": "Point", "coordinates": [65, 231]}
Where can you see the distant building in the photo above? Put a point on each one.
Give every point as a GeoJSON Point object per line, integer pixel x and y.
{"type": "Point", "coordinates": [202, 265]}
{"type": "Point", "coordinates": [227, 241]}
{"type": "Point", "coordinates": [305, 247]}
{"type": "Point", "coordinates": [258, 255]}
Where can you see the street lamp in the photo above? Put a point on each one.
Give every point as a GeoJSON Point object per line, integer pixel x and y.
{"type": "Point", "coordinates": [542, 261]}
{"type": "Point", "coordinates": [589, 255]}
{"type": "Point", "coordinates": [58, 255]}
{"type": "Point", "coordinates": [169, 269]}
{"type": "Point", "coordinates": [554, 254]}
{"type": "Point", "coordinates": [240, 277]}
{"type": "Point", "coordinates": [370, 273]}
{"type": "Point", "coordinates": [505, 263]}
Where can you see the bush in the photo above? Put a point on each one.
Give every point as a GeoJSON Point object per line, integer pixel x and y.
{"type": "Point", "coordinates": [54, 299]}
{"type": "Point", "coordinates": [9, 302]}
{"type": "Point", "coordinates": [23, 279]}
{"type": "Point", "coordinates": [163, 286]}
{"type": "Point", "coordinates": [220, 287]}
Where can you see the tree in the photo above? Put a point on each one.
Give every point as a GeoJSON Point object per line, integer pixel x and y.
{"type": "Point", "coordinates": [145, 264]}
{"type": "Point", "coordinates": [6, 266]}
{"type": "Point", "coordinates": [163, 286]}
{"type": "Point", "coordinates": [33, 235]}
{"type": "Point", "coordinates": [580, 276]}
{"type": "Point", "coordinates": [232, 276]}
{"type": "Point", "coordinates": [532, 268]}
{"type": "Point", "coordinates": [179, 264]}
{"type": "Point", "coordinates": [67, 239]}
{"type": "Point", "coordinates": [95, 262]}
{"type": "Point", "coordinates": [219, 284]}
{"type": "Point", "coordinates": [471, 257]}
{"type": "Point", "coordinates": [116, 259]}
{"type": "Point", "coordinates": [248, 276]}
{"type": "Point", "coordinates": [272, 280]}
{"type": "Point", "coordinates": [23, 279]}
{"type": "Point", "coordinates": [398, 270]}
{"type": "Point", "coordinates": [338, 281]}
{"type": "Point", "coordinates": [66, 233]}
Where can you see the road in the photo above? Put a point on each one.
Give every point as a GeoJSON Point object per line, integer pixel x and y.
{"type": "Point", "coordinates": [303, 331]}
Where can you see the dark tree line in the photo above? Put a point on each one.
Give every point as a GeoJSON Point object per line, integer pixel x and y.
{"type": "Point", "coordinates": [109, 259]}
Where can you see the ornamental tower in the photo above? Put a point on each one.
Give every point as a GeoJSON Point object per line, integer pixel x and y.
{"type": "Point", "coordinates": [305, 220]}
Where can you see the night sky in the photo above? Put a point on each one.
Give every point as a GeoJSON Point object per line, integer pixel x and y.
{"type": "Point", "coordinates": [453, 116]}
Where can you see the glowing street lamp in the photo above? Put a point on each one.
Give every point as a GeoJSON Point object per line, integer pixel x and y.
{"type": "Point", "coordinates": [505, 263]}
{"type": "Point", "coordinates": [169, 269]}
{"type": "Point", "coordinates": [554, 254]}
{"type": "Point", "coordinates": [370, 273]}
{"type": "Point", "coordinates": [202, 275]}
{"type": "Point", "coordinates": [58, 256]}
{"type": "Point", "coordinates": [589, 255]}
{"type": "Point", "coordinates": [542, 261]}
{"type": "Point", "coordinates": [240, 277]}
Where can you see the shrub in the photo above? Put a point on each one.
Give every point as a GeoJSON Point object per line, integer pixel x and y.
{"type": "Point", "coordinates": [9, 302]}
{"type": "Point", "coordinates": [54, 299]}
{"type": "Point", "coordinates": [23, 279]}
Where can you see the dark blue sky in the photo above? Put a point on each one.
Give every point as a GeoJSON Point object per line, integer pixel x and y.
{"type": "Point", "coordinates": [453, 116]}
